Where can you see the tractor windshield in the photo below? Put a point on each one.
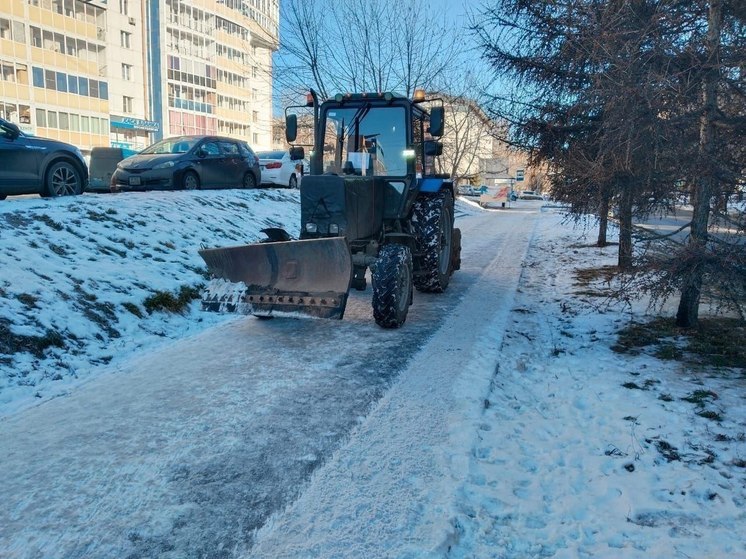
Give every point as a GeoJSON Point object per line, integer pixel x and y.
{"type": "Point", "coordinates": [365, 140]}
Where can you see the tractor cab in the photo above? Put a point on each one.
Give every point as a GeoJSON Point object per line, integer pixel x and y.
{"type": "Point", "coordinates": [373, 150]}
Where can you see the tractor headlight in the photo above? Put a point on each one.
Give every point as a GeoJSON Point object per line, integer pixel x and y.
{"type": "Point", "coordinates": [311, 228]}
{"type": "Point", "coordinates": [333, 229]}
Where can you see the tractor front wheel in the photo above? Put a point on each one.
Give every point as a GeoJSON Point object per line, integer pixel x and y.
{"type": "Point", "coordinates": [392, 285]}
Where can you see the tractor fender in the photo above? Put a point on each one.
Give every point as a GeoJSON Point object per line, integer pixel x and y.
{"type": "Point", "coordinates": [433, 185]}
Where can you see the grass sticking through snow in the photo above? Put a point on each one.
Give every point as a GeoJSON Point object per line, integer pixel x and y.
{"type": "Point", "coordinates": [718, 342]}
{"type": "Point", "coordinates": [167, 301]}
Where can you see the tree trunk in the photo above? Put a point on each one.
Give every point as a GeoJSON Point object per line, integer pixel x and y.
{"type": "Point", "coordinates": [687, 315]}
{"type": "Point", "coordinates": [603, 217]}
{"type": "Point", "coordinates": [625, 226]}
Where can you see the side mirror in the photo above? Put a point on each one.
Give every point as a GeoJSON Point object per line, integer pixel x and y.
{"type": "Point", "coordinates": [297, 153]}
{"type": "Point", "coordinates": [11, 130]}
{"type": "Point", "coordinates": [291, 128]}
{"type": "Point", "coordinates": [433, 148]}
{"type": "Point", "coordinates": [437, 118]}
{"type": "Point", "coordinates": [201, 153]}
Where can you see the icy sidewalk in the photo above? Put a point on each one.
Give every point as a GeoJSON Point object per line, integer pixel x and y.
{"type": "Point", "coordinates": [389, 492]}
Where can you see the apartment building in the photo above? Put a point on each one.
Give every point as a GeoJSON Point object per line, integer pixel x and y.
{"type": "Point", "coordinates": [128, 72]}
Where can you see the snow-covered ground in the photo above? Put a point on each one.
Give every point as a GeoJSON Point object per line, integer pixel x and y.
{"type": "Point", "coordinates": [554, 445]}
{"type": "Point", "coordinates": [76, 273]}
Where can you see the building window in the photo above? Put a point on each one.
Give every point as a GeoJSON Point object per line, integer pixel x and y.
{"type": "Point", "coordinates": [61, 82]}
{"type": "Point", "coordinates": [7, 72]}
{"type": "Point", "coordinates": [12, 30]}
{"type": "Point", "coordinates": [126, 39]}
{"type": "Point", "coordinates": [41, 118]}
{"type": "Point", "coordinates": [38, 76]}
{"type": "Point", "coordinates": [50, 79]}
{"type": "Point", "coordinates": [124, 6]}
{"type": "Point", "coordinates": [127, 72]}
{"type": "Point", "coordinates": [127, 103]}
{"type": "Point", "coordinates": [36, 37]}
{"type": "Point", "coordinates": [255, 116]}
{"type": "Point", "coordinates": [255, 138]}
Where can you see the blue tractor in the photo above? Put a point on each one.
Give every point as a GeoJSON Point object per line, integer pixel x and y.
{"type": "Point", "coordinates": [370, 201]}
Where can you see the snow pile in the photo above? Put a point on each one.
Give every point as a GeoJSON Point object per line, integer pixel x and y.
{"type": "Point", "coordinates": [77, 275]}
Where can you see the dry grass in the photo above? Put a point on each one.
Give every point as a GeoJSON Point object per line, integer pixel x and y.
{"type": "Point", "coordinates": [718, 342]}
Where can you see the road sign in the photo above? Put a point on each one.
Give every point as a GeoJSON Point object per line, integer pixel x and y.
{"type": "Point", "coordinates": [519, 175]}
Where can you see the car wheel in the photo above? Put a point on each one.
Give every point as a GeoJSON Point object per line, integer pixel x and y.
{"type": "Point", "coordinates": [62, 179]}
{"type": "Point", "coordinates": [249, 181]}
{"type": "Point", "coordinates": [293, 182]}
{"type": "Point", "coordinates": [190, 181]}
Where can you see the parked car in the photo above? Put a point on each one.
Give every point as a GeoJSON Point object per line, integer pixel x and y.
{"type": "Point", "coordinates": [280, 169]}
{"type": "Point", "coordinates": [530, 195]}
{"type": "Point", "coordinates": [189, 163]}
{"type": "Point", "coordinates": [33, 165]}
{"type": "Point", "coordinates": [469, 190]}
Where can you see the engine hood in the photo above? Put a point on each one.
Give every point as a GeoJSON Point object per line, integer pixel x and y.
{"type": "Point", "coordinates": [148, 161]}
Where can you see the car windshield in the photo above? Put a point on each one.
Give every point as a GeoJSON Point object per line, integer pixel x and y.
{"type": "Point", "coordinates": [171, 145]}
{"type": "Point", "coordinates": [365, 141]}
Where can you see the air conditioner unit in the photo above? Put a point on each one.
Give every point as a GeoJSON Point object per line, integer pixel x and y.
{"type": "Point", "coordinates": [132, 21]}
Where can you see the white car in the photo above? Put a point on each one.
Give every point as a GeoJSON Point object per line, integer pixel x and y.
{"type": "Point", "coordinates": [530, 195]}
{"type": "Point", "coordinates": [278, 169]}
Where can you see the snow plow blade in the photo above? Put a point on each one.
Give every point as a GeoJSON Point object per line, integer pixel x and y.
{"type": "Point", "coordinates": [308, 277]}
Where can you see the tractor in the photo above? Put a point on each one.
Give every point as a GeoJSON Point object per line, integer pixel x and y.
{"type": "Point", "coordinates": [371, 200]}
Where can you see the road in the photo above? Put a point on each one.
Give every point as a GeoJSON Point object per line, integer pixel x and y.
{"type": "Point", "coordinates": [674, 226]}
{"type": "Point", "coordinates": [189, 450]}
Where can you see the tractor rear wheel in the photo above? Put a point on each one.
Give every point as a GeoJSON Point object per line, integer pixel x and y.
{"type": "Point", "coordinates": [392, 285]}
{"type": "Point", "coordinates": [432, 221]}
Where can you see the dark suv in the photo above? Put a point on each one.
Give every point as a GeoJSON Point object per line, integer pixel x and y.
{"type": "Point", "coordinates": [32, 165]}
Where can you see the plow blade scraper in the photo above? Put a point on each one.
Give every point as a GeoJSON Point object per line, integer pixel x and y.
{"type": "Point", "coordinates": [309, 277]}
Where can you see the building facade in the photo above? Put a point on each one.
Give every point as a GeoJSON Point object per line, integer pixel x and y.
{"type": "Point", "coordinates": [128, 72]}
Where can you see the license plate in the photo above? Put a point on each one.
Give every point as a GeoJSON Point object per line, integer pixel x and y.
{"type": "Point", "coordinates": [135, 181]}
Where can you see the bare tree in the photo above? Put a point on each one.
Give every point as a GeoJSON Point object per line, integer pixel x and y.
{"type": "Point", "coordinates": [364, 45]}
